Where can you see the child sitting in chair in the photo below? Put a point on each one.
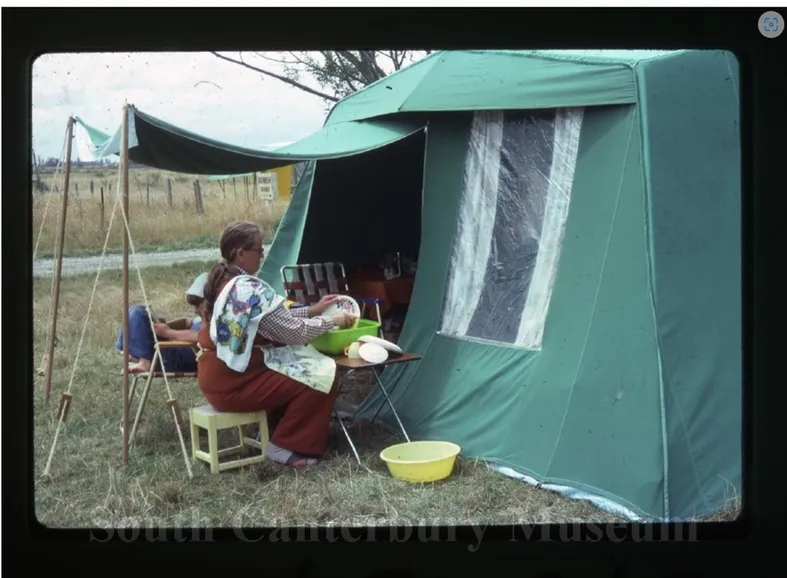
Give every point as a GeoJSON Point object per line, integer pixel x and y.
{"type": "Point", "coordinates": [141, 342]}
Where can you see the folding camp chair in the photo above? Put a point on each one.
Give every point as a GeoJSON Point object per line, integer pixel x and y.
{"type": "Point", "coordinates": [309, 283]}
{"type": "Point", "coordinates": [150, 376]}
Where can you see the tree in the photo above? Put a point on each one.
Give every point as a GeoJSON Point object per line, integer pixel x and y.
{"type": "Point", "coordinates": [337, 73]}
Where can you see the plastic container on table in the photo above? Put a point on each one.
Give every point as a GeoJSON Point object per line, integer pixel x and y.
{"type": "Point", "coordinates": [334, 342]}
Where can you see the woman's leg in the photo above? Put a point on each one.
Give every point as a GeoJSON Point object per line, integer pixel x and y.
{"type": "Point", "coordinates": [140, 342]}
{"type": "Point", "coordinates": [301, 415]}
{"type": "Point", "coordinates": [274, 417]}
{"type": "Point", "coordinates": [305, 421]}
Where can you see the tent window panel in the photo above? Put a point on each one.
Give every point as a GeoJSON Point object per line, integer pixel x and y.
{"type": "Point", "coordinates": [517, 180]}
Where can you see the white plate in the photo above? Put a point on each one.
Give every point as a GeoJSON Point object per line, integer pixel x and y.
{"type": "Point", "coordinates": [343, 303]}
{"type": "Point", "coordinates": [381, 342]}
{"type": "Point", "coordinates": [372, 353]}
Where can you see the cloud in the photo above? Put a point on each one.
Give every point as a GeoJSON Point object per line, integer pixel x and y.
{"type": "Point", "coordinates": [245, 108]}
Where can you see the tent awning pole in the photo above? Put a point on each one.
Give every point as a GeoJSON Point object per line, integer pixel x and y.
{"type": "Point", "coordinates": [127, 219]}
{"type": "Point", "coordinates": [59, 267]}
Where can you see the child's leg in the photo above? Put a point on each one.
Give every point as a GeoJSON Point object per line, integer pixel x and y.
{"type": "Point", "coordinates": [141, 342]}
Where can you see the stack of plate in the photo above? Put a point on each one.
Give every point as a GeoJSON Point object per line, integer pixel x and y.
{"type": "Point", "coordinates": [372, 349]}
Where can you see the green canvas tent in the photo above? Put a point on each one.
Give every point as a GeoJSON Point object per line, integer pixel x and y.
{"type": "Point", "coordinates": [575, 217]}
{"type": "Point", "coordinates": [577, 302]}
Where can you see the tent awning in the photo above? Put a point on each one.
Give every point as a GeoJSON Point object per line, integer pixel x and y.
{"type": "Point", "coordinates": [158, 144]}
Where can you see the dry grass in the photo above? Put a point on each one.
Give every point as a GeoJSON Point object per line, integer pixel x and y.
{"type": "Point", "coordinates": [88, 486]}
{"type": "Point", "coordinates": [731, 511]}
{"type": "Point", "coordinates": [154, 224]}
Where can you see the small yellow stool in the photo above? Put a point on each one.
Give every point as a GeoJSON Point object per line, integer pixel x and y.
{"type": "Point", "coordinates": [207, 418]}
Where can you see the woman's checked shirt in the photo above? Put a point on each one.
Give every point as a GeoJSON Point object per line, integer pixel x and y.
{"type": "Point", "coordinates": [291, 326]}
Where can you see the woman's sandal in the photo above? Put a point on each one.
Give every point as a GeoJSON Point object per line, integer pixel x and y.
{"type": "Point", "coordinates": [286, 458]}
{"type": "Point", "coordinates": [299, 462]}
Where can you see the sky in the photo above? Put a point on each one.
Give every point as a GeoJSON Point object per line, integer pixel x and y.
{"type": "Point", "coordinates": [234, 104]}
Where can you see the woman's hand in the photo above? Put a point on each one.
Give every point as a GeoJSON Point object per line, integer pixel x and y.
{"type": "Point", "coordinates": [321, 305]}
{"type": "Point", "coordinates": [343, 319]}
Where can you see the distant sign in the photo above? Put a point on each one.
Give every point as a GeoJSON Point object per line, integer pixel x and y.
{"type": "Point", "coordinates": [267, 186]}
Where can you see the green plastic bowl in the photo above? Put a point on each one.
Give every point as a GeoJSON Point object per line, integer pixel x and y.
{"type": "Point", "coordinates": [334, 342]}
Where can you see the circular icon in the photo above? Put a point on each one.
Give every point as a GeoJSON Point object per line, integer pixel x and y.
{"type": "Point", "coordinates": [771, 24]}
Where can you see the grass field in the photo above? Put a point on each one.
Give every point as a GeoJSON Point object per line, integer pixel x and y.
{"type": "Point", "coordinates": [88, 486]}
{"type": "Point", "coordinates": [154, 224]}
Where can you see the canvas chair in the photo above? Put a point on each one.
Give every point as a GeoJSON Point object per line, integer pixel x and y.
{"type": "Point", "coordinates": [309, 283]}
{"type": "Point", "coordinates": [156, 373]}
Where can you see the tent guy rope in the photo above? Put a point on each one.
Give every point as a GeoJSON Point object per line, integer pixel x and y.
{"type": "Point", "coordinates": [60, 162]}
{"type": "Point", "coordinates": [66, 398]}
{"type": "Point", "coordinates": [55, 181]}
{"type": "Point", "coordinates": [63, 409]}
{"type": "Point", "coordinates": [156, 349]}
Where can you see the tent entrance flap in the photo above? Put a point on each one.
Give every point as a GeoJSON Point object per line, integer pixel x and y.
{"type": "Point", "coordinates": [378, 213]}
{"type": "Point", "coordinates": [158, 144]}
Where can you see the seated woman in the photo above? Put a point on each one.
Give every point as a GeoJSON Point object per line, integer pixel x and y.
{"type": "Point", "coordinates": [141, 342]}
{"type": "Point", "coordinates": [254, 352]}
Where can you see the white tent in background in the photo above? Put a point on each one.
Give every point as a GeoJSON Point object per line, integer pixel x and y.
{"type": "Point", "coordinates": [85, 138]}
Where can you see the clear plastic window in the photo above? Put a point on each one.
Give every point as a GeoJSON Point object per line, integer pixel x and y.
{"type": "Point", "coordinates": [518, 175]}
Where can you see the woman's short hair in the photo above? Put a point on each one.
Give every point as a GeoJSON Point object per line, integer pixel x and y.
{"type": "Point", "coordinates": [238, 235]}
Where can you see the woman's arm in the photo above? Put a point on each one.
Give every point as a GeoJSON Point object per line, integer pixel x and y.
{"type": "Point", "coordinates": [179, 324]}
{"type": "Point", "coordinates": [313, 310]}
{"type": "Point", "coordinates": [282, 326]}
{"type": "Point", "coordinates": [300, 311]}
{"type": "Point", "coordinates": [164, 331]}
{"type": "Point", "coordinates": [183, 335]}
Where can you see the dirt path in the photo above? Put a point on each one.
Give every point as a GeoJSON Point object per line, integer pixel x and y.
{"type": "Point", "coordinates": [79, 265]}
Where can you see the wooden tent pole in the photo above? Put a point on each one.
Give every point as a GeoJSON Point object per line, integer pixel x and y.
{"type": "Point", "coordinates": [59, 267]}
{"type": "Point", "coordinates": [124, 161]}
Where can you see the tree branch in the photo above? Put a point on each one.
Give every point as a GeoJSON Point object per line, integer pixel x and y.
{"type": "Point", "coordinates": [278, 60]}
{"type": "Point", "coordinates": [349, 73]}
{"type": "Point", "coordinates": [395, 56]}
{"type": "Point", "coordinates": [315, 68]}
{"type": "Point", "coordinates": [336, 73]}
{"type": "Point", "coordinates": [398, 57]}
{"type": "Point", "coordinates": [361, 64]}
{"type": "Point", "coordinates": [371, 59]}
{"type": "Point", "coordinates": [289, 81]}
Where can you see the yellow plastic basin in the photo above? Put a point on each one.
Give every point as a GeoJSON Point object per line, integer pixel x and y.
{"type": "Point", "coordinates": [425, 461]}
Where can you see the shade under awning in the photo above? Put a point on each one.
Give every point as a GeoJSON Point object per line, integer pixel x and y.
{"type": "Point", "coordinates": [158, 144]}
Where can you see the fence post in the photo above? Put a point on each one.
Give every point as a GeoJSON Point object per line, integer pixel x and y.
{"type": "Point", "coordinates": [198, 197]}
{"type": "Point", "coordinates": [169, 191]}
{"type": "Point", "coordinates": [102, 209]}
